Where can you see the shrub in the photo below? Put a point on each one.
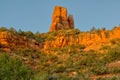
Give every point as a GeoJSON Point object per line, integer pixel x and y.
{"type": "Point", "coordinates": [41, 76]}
{"type": "Point", "coordinates": [3, 29]}
{"type": "Point", "coordinates": [60, 69]}
{"type": "Point", "coordinates": [82, 46]}
{"type": "Point", "coordinates": [113, 54]}
{"type": "Point", "coordinates": [13, 69]}
{"type": "Point", "coordinates": [114, 70]}
{"type": "Point", "coordinates": [109, 78]}
{"type": "Point", "coordinates": [74, 31]}
{"type": "Point", "coordinates": [63, 77]}
{"type": "Point", "coordinates": [115, 41]}
{"type": "Point", "coordinates": [99, 70]}
{"type": "Point", "coordinates": [12, 30]}
{"type": "Point", "coordinates": [106, 47]}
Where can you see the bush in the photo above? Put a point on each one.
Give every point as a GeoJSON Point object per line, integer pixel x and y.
{"type": "Point", "coordinates": [13, 69]}
{"type": "Point", "coordinates": [115, 41]}
{"type": "Point", "coordinates": [63, 77]}
{"type": "Point", "coordinates": [99, 70]}
{"type": "Point", "coordinates": [114, 70]}
{"type": "Point", "coordinates": [113, 54]}
{"type": "Point", "coordinates": [41, 76]}
{"type": "Point", "coordinates": [82, 46]}
{"type": "Point", "coordinates": [3, 29]}
{"type": "Point", "coordinates": [109, 78]}
{"type": "Point", "coordinates": [106, 47]}
{"type": "Point", "coordinates": [60, 69]}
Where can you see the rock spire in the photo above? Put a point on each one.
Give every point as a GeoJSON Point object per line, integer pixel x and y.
{"type": "Point", "coordinates": [61, 20]}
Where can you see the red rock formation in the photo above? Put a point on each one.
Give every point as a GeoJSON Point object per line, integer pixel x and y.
{"type": "Point", "coordinates": [61, 20]}
{"type": "Point", "coordinates": [90, 40]}
{"type": "Point", "coordinates": [4, 37]}
{"type": "Point", "coordinates": [10, 42]}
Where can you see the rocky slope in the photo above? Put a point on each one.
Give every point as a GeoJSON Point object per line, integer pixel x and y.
{"type": "Point", "coordinates": [62, 34]}
{"type": "Point", "coordinates": [57, 39]}
{"type": "Point", "coordinates": [61, 54]}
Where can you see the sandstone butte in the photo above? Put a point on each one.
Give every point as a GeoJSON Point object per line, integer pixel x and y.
{"type": "Point", "coordinates": [92, 40]}
{"type": "Point", "coordinates": [61, 20]}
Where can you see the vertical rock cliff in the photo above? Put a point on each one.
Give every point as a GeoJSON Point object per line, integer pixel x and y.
{"type": "Point", "coordinates": [91, 40]}
{"type": "Point", "coordinates": [61, 20]}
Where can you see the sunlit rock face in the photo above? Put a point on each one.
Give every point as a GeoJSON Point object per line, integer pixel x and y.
{"type": "Point", "coordinates": [61, 20]}
{"type": "Point", "coordinates": [11, 42]}
{"type": "Point", "coordinates": [62, 34]}
{"type": "Point", "coordinates": [5, 37]}
{"type": "Point", "coordinates": [92, 40]}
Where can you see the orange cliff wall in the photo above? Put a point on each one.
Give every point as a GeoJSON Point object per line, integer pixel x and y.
{"type": "Point", "coordinates": [90, 40]}
{"type": "Point", "coordinates": [61, 20]}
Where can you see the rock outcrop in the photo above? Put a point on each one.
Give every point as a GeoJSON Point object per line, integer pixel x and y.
{"type": "Point", "coordinates": [61, 20]}
{"type": "Point", "coordinates": [92, 40]}
{"type": "Point", "coordinates": [12, 42]}
{"type": "Point", "coordinates": [5, 37]}
{"type": "Point", "coordinates": [60, 38]}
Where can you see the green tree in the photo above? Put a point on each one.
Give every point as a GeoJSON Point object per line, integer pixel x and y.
{"type": "Point", "coordinates": [93, 29]}
{"type": "Point", "coordinates": [3, 29]}
{"type": "Point", "coordinates": [12, 30]}
{"type": "Point", "coordinates": [37, 34]}
{"type": "Point", "coordinates": [29, 34]}
{"type": "Point", "coordinates": [20, 32]}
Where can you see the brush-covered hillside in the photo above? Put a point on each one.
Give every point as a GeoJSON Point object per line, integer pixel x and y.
{"type": "Point", "coordinates": [59, 55]}
{"type": "Point", "coordinates": [63, 53]}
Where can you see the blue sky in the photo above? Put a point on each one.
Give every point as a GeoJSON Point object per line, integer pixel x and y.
{"type": "Point", "coordinates": [36, 15]}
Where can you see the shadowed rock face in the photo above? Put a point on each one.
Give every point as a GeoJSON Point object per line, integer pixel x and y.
{"type": "Point", "coordinates": [60, 19]}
